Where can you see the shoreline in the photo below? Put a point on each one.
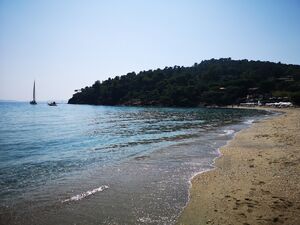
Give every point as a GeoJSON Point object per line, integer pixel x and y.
{"type": "Point", "coordinates": [220, 154]}
{"type": "Point", "coordinates": [212, 196]}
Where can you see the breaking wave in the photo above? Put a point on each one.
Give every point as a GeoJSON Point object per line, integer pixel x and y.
{"type": "Point", "coordinates": [227, 132]}
{"type": "Point", "coordinates": [85, 194]}
{"type": "Point", "coordinates": [250, 121]}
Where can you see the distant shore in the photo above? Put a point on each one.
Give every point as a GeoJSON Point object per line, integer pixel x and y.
{"type": "Point", "coordinates": [256, 180]}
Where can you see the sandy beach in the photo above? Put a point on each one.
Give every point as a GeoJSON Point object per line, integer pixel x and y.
{"type": "Point", "coordinates": [256, 180]}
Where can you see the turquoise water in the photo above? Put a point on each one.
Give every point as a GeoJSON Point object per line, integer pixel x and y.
{"type": "Point", "coordinates": [122, 165]}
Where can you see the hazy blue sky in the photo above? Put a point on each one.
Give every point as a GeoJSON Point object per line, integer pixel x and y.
{"type": "Point", "coordinates": [68, 44]}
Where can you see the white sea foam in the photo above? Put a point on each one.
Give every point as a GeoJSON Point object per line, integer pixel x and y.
{"type": "Point", "coordinates": [144, 220]}
{"type": "Point", "coordinates": [86, 194]}
{"type": "Point", "coordinates": [250, 121]}
{"type": "Point", "coordinates": [227, 132]}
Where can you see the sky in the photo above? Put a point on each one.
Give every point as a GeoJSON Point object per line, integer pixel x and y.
{"type": "Point", "coordinates": [68, 44]}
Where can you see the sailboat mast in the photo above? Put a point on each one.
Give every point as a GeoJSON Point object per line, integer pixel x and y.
{"type": "Point", "coordinates": [34, 91]}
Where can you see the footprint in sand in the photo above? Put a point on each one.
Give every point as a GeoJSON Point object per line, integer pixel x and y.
{"type": "Point", "coordinates": [264, 192]}
{"type": "Point", "coordinates": [242, 215]}
{"type": "Point", "coordinates": [258, 183]}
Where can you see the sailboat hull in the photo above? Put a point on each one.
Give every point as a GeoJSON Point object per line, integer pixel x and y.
{"type": "Point", "coordinates": [33, 102]}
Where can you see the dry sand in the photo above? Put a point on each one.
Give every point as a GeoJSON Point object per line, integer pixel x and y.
{"type": "Point", "coordinates": [256, 181]}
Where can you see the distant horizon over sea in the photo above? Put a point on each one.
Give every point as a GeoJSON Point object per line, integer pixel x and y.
{"type": "Point", "coordinates": [89, 164]}
{"type": "Point", "coordinates": [38, 101]}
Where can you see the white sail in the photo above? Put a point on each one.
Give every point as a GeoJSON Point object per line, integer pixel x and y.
{"type": "Point", "coordinates": [33, 102]}
{"type": "Point", "coordinates": [34, 91]}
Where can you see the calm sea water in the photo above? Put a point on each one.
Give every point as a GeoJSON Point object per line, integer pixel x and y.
{"type": "Point", "coordinates": [79, 164]}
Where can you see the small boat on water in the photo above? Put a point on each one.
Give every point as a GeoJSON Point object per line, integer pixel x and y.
{"type": "Point", "coordinates": [33, 102]}
{"type": "Point", "coordinates": [52, 104]}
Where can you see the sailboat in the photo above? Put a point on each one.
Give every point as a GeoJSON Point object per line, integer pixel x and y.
{"type": "Point", "coordinates": [33, 102]}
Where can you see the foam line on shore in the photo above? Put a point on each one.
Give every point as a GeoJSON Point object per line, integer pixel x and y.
{"type": "Point", "coordinates": [86, 194]}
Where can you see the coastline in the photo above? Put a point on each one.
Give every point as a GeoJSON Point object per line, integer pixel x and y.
{"type": "Point", "coordinates": [256, 178]}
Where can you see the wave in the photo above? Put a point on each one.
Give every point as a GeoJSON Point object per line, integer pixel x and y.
{"type": "Point", "coordinates": [85, 194]}
{"type": "Point", "coordinates": [250, 121]}
{"type": "Point", "coordinates": [227, 132]}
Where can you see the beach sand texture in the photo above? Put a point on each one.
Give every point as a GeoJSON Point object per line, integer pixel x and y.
{"type": "Point", "coordinates": [256, 181]}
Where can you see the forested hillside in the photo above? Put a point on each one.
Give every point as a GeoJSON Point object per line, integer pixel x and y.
{"type": "Point", "coordinates": [211, 82]}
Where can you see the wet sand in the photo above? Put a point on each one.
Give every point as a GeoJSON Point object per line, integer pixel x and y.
{"type": "Point", "coordinates": [256, 180]}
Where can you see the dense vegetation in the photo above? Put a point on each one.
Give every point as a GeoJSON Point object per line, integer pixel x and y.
{"type": "Point", "coordinates": [212, 82]}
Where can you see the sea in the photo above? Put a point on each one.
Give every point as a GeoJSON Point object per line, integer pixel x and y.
{"type": "Point", "coordinates": [82, 164]}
